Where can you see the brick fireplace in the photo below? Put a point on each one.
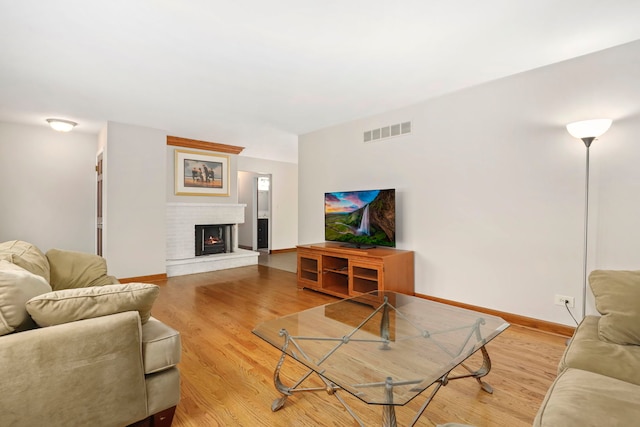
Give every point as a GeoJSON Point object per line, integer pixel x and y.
{"type": "Point", "coordinates": [221, 223]}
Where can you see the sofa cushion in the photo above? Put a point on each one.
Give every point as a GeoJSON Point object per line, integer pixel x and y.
{"type": "Point", "coordinates": [580, 398]}
{"type": "Point", "coordinates": [69, 305]}
{"type": "Point", "coordinates": [17, 286]}
{"type": "Point", "coordinates": [617, 295]}
{"type": "Point", "coordinates": [161, 346]}
{"type": "Point", "coordinates": [588, 352]}
{"type": "Point", "coordinates": [26, 256]}
{"type": "Point", "coordinates": [70, 269]}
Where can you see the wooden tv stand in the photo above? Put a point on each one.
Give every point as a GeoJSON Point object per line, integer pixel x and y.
{"type": "Point", "coordinates": [344, 271]}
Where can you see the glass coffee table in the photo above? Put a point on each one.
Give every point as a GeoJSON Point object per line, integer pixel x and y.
{"type": "Point", "coordinates": [384, 348]}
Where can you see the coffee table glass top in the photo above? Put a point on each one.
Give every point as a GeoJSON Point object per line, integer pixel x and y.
{"type": "Point", "coordinates": [382, 347]}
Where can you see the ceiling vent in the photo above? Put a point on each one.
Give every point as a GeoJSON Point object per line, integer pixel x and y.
{"type": "Point", "coordinates": [384, 132]}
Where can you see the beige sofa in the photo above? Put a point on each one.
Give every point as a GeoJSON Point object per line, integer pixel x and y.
{"type": "Point", "coordinates": [79, 349]}
{"type": "Point", "coordinates": [598, 381]}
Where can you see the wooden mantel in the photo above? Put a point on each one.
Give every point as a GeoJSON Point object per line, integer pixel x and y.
{"type": "Point", "coordinates": [203, 145]}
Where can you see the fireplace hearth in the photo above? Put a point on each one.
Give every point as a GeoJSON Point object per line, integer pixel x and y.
{"type": "Point", "coordinates": [213, 239]}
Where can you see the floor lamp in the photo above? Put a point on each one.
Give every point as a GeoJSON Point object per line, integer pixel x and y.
{"type": "Point", "coordinates": [587, 131]}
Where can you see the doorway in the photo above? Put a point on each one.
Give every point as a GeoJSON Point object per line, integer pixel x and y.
{"type": "Point", "coordinates": [263, 205]}
{"type": "Point", "coordinates": [254, 190]}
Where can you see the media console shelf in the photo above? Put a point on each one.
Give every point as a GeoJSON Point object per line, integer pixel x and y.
{"type": "Point", "coordinates": [344, 271]}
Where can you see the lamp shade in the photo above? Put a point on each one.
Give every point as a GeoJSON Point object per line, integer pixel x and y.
{"type": "Point", "coordinates": [589, 128]}
{"type": "Point", "coordinates": [61, 125]}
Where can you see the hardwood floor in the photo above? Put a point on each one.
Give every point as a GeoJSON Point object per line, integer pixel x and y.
{"type": "Point", "coordinates": [227, 372]}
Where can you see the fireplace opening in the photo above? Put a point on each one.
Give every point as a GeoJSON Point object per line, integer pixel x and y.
{"type": "Point", "coordinates": [213, 239]}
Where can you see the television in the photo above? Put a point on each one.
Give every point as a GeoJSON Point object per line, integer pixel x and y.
{"type": "Point", "coordinates": [361, 219]}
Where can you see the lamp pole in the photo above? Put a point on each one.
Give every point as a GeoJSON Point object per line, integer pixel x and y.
{"type": "Point", "coordinates": [587, 144]}
{"type": "Point", "coordinates": [587, 131]}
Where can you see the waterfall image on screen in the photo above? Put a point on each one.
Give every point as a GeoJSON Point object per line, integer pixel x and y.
{"type": "Point", "coordinates": [360, 218]}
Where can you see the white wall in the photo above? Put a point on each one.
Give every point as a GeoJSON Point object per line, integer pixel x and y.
{"type": "Point", "coordinates": [618, 229]}
{"type": "Point", "coordinates": [135, 218]}
{"type": "Point", "coordinates": [47, 187]}
{"type": "Point", "coordinates": [490, 186]}
{"type": "Point", "coordinates": [47, 193]}
{"type": "Point", "coordinates": [284, 198]}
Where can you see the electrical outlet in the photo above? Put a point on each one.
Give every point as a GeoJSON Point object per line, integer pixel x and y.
{"type": "Point", "coordinates": [560, 300]}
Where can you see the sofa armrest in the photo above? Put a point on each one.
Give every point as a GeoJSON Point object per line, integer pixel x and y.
{"type": "Point", "coordinates": [88, 372]}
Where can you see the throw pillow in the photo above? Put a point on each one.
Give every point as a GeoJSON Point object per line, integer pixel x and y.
{"type": "Point", "coordinates": [17, 286]}
{"type": "Point", "coordinates": [70, 269]}
{"type": "Point", "coordinates": [69, 305]}
{"type": "Point", "coordinates": [617, 295]}
{"type": "Point", "coordinates": [26, 256]}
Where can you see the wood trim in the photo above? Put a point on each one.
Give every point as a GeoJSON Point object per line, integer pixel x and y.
{"type": "Point", "coordinates": [528, 322]}
{"type": "Point", "coordinates": [203, 145]}
{"type": "Point", "coordinates": [145, 279]}
{"type": "Point", "coordinates": [282, 251]}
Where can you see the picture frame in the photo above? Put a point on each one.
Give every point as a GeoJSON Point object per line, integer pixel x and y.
{"type": "Point", "coordinates": [201, 174]}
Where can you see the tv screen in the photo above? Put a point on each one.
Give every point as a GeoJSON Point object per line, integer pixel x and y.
{"type": "Point", "coordinates": [361, 219]}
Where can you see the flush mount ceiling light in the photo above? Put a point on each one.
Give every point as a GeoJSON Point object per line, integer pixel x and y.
{"type": "Point", "coordinates": [61, 125]}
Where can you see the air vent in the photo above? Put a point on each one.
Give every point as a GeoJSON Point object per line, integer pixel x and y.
{"type": "Point", "coordinates": [390, 131]}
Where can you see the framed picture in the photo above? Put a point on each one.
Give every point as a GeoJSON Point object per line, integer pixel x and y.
{"type": "Point", "coordinates": [201, 174]}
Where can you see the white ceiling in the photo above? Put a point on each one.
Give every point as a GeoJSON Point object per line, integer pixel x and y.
{"type": "Point", "coordinates": [258, 73]}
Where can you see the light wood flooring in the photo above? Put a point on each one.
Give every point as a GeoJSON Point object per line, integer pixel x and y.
{"type": "Point", "coordinates": [227, 372]}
